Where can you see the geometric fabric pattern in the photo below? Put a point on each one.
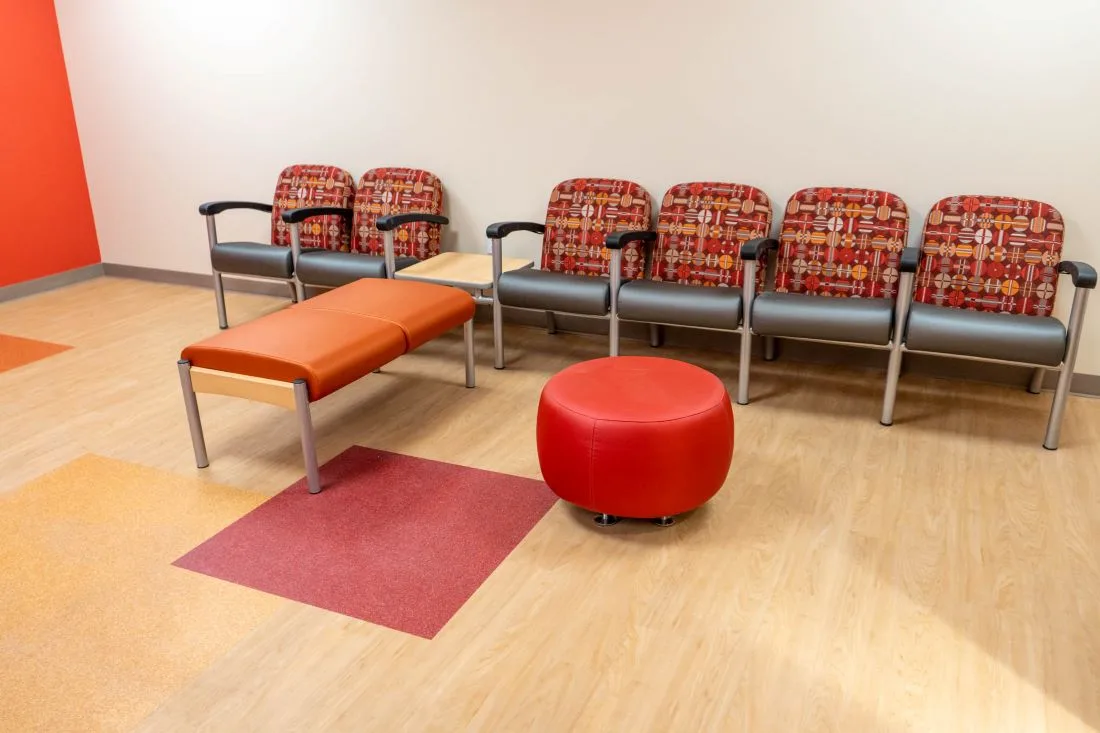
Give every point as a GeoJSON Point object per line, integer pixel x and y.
{"type": "Point", "coordinates": [991, 253]}
{"type": "Point", "coordinates": [301, 186]}
{"type": "Point", "coordinates": [701, 228]}
{"type": "Point", "coordinates": [385, 191]}
{"type": "Point", "coordinates": [842, 243]}
{"type": "Point", "coordinates": [581, 213]}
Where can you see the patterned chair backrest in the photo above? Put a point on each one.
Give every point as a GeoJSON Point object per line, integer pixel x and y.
{"type": "Point", "coordinates": [842, 243]}
{"type": "Point", "coordinates": [384, 191]}
{"type": "Point", "coordinates": [701, 228]}
{"type": "Point", "coordinates": [300, 186]}
{"type": "Point", "coordinates": [582, 211]}
{"type": "Point", "coordinates": [991, 253]}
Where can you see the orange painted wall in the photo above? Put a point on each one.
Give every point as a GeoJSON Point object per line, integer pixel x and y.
{"type": "Point", "coordinates": [46, 223]}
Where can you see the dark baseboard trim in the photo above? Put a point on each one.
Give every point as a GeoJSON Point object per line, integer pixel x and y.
{"type": "Point", "coordinates": [802, 351]}
{"type": "Point", "coordinates": [50, 282]}
{"type": "Point", "coordinates": [195, 279]}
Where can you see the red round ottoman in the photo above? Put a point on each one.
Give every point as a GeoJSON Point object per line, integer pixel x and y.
{"type": "Point", "coordinates": [635, 436]}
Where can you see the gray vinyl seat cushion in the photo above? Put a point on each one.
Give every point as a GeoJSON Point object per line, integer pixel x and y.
{"type": "Point", "coordinates": [555, 291]}
{"type": "Point", "coordinates": [332, 269]}
{"type": "Point", "coordinates": [680, 305]}
{"type": "Point", "coordinates": [851, 320]}
{"type": "Point", "coordinates": [1005, 336]}
{"type": "Point", "coordinates": [252, 258]}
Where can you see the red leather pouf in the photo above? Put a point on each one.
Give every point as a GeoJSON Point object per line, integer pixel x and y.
{"type": "Point", "coordinates": [635, 436]}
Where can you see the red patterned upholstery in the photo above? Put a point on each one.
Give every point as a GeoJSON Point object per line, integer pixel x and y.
{"type": "Point", "coordinates": [300, 186]}
{"type": "Point", "coordinates": [991, 253]}
{"type": "Point", "coordinates": [701, 228]}
{"type": "Point", "coordinates": [581, 213]}
{"type": "Point", "coordinates": [384, 191]}
{"type": "Point", "coordinates": [842, 242]}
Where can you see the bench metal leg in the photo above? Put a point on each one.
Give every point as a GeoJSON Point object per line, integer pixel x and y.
{"type": "Point", "coordinates": [293, 292]}
{"type": "Point", "coordinates": [468, 337]}
{"type": "Point", "coordinates": [551, 323]}
{"type": "Point", "coordinates": [219, 299]}
{"type": "Point", "coordinates": [191, 404]}
{"type": "Point", "coordinates": [1035, 386]}
{"type": "Point", "coordinates": [305, 424]}
{"type": "Point", "coordinates": [769, 348]}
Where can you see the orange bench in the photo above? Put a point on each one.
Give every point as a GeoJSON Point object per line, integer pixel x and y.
{"type": "Point", "coordinates": [297, 356]}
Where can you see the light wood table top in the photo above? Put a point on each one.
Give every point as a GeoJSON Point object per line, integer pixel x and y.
{"type": "Point", "coordinates": [460, 269]}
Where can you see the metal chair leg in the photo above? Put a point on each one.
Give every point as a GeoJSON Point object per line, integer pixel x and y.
{"type": "Point", "coordinates": [743, 367]}
{"type": "Point", "coordinates": [305, 425]}
{"type": "Point", "coordinates": [219, 299]}
{"type": "Point", "coordinates": [893, 375]}
{"type": "Point", "coordinates": [1035, 386]}
{"type": "Point", "coordinates": [769, 348]}
{"type": "Point", "coordinates": [1065, 379]}
{"type": "Point", "coordinates": [656, 335]}
{"type": "Point", "coordinates": [615, 272]}
{"type": "Point", "coordinates": [551, 323]}
{"type": "Point", "coordinates": [194, 422]}
{"type": "Point", "coordinates": [293, 292]}
{"type": "Point", "coordinates": [498, 315]}
{"type": "Point", "coordinates": [468, 337]}
{"type": "Point", "coordinates": [897, 341]}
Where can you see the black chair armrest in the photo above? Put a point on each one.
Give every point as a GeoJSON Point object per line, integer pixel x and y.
{"type": "Point", "coordinates": [910, 259]}
{"type": "Point", "coordinates": [618, 240]}
{"type": "Point", "coordinates": [216, 207]}
{"type": "Point", "coordinates": [386, 223]}
{"type": "Point", "coordinates": [1083, 276]}
{"type": "Point", "coordinates": [293, 216]}
{"type": "Point", "coordinates": [756, 249]}
{"type": "Point", "coordinates": [502, 229]}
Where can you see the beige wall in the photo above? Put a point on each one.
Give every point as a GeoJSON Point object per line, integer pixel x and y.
{"type": "Point", "coordinates": [183, 102]}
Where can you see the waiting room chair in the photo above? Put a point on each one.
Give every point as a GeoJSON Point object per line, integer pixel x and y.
{"type": "Point", "coordinates": [593, 237]}
{"type": "Point", "coordinates": [396, 223]}
{"type": "Point", "coordinates": [838, 271]}
{"type": "Point", "coordinates": [985, 288]}
{"type": "Point", "coordinates": [697, 272]}
{"type": "Point", "coordinates": [299, 187]}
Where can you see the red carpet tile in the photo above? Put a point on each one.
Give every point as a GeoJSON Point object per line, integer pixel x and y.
{"type": "Point", "coordinates": [398, 541]}
{"type": "Point", "coordinates": [16, 351]}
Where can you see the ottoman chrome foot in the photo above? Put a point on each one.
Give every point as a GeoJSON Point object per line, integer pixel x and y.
{"type": "Point", "coordinates": [606, 520]}
{"type": "Point", "coordinates": [664, 521]}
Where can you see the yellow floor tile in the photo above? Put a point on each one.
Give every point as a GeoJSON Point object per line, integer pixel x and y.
{"type": "Point", "coordinates": [96, 626]}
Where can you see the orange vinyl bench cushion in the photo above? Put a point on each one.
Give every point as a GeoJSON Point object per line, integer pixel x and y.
{"type": "Point", "coordinates": [338, 337]}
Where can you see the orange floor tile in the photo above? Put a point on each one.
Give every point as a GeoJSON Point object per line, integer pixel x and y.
{"type": "Point", "coordinates": [97, 626]}
{"type": "Point", "coordinates": [16, 351]}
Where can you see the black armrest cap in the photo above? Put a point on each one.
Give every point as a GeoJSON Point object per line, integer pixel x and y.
{"type": "Point", "coordinates": [291, 216]}
{"type": "Point", "coordinates": [392, 221]}
{"type": "Point", "coordinates": [503, 228]}
{"type": "Point", "coordinates": [216, 207]}
{"type": "Point", "coordinates": [755, 249]}
{"type": "Point", "coordinates": [618, 240]}
{"type": "Point", "coordinates": [910, 259]}
{"type": "Point", "coordinates": [1083, 275]}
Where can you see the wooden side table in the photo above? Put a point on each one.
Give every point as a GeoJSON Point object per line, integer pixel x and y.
{"type": "Point", "coordinates": [465, 270]}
